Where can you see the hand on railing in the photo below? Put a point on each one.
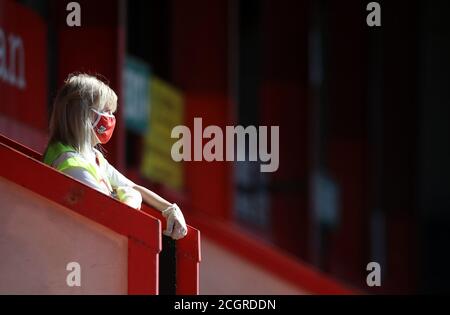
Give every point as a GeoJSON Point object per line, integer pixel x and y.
{"type": "Point", "coordinates": [176, 225]}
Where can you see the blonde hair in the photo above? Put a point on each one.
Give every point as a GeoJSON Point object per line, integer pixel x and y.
{"type": "Point", "coordinates": [71, 119]}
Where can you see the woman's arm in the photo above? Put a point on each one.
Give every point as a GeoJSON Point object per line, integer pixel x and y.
{"type": "Point", "coordinates": [118, 180]}
{"type": "Point", "coordinates": [153, 199]}
{"type": "Point", "coordinates": [176, 225]}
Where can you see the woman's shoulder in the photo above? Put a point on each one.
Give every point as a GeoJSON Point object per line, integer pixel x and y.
{"type": "Point", "coordinates": [65, 156]}
{"type": "Point", "coordinates": [86, 157]}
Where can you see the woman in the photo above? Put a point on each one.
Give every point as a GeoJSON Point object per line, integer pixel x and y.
{"type": "Point", "coordinates": [83, 117]}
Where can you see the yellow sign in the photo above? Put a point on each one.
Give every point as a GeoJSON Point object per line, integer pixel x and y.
{"type": "Point", "coordinates": [166, 112]}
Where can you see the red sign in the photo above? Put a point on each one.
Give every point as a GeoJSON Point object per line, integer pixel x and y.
{"type": "Point", "coordinates": [23, 66]}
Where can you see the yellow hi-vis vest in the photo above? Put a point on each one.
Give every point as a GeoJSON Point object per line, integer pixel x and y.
{"type": "Point", "coordinates": [54, 150]}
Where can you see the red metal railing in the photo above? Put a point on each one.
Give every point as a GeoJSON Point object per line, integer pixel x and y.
{"type": "Point", "coordinates": [22, 166]}
{"type": "Point", "coordinates": [188, 258]}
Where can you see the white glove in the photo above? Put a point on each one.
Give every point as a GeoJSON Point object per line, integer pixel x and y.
{"type": "Point", "coordinates": [129, 196]}
{"type": "Point", "coordinates": [176, 226]}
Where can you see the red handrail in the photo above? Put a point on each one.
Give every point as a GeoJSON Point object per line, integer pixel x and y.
{"type": "Point", "coordinates": [19, 161]}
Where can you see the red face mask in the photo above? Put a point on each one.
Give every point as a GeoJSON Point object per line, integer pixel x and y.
{"type": "Point", "coordinates": [104, 126]}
